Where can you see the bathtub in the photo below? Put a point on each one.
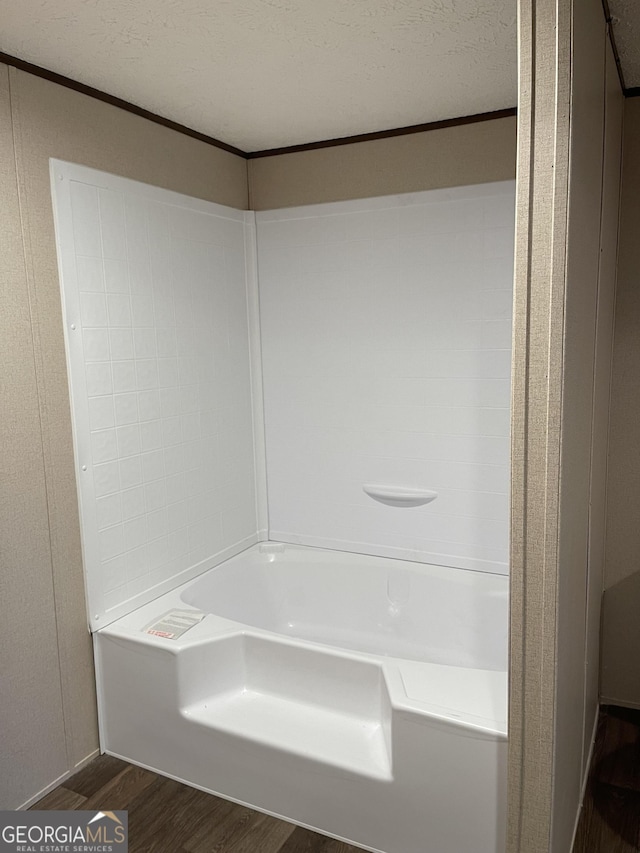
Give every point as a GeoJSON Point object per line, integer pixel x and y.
{"type": "Point", "coordinates": [363, 697]}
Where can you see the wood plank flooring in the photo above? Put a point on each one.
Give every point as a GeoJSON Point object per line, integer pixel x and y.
{"type": "Point", "coordinates": [168, 817]}
{"type": "Point", "coordinates": [610, 819]}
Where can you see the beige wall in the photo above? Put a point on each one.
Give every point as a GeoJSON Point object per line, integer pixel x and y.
{"type": "Point", "coordinates": [560, 380]}
{"type": "Point", "coordinates": [454, 156]}
{"type": "Point", "coordinates": [48, 726]}
{"type": "Point", "coordinates": [31, 705]}
{"type": "Point", "coordinates": [568, 178]}
{"type": "Point", "coordinates": [594, 185]}
{"type": "Point", "coordinates": [48, 723]}
{"type": "Point", "coordinates": [621, 606]}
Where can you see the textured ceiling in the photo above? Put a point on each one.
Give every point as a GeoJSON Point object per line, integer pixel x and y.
{"type": "Point", "coordinates": [267, 73]}
{"type": "Point", "coordinates": [626, 31]}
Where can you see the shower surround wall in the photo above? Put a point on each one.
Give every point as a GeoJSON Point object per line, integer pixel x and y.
{"type": "Point", "coordinates": [386, 346]}
{"type": "Point", "coordinates": [157, 328]}
{"type": "Point", "coordinates": [160, 304]}
{"type": "Point", "coordinates": [386, 332]}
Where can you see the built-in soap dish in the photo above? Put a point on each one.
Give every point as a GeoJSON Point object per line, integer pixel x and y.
{"type": "Point", "coordinates": [399, 496]}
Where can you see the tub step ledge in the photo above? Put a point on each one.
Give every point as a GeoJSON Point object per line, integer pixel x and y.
{"type": "Point", "coordinates": [318, 734]}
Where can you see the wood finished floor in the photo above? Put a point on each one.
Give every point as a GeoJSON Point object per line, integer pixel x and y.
{"type": "Point", "coordinates": [168, 817]}
{"type": "Point", "coordinates": [610, 820]}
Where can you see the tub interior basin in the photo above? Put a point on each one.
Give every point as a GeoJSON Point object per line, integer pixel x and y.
{"type": "Point", "coordinates": [374, 605]}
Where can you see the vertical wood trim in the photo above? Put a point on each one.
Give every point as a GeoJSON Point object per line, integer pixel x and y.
{"type": "Point", "coordinates": [540, 273]}
{"type": "Point", "coordinates": [519, 368]}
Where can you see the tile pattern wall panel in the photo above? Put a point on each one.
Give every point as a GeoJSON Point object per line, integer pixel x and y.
{"type": "Point", "coordinates": [155, 297]}
{"type": "Point", "coordinates": [386, 336]}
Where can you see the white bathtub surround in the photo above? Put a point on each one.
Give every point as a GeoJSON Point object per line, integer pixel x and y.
{"type": "Point", "coordinates": [398, 746]}
{"type": "Point", "coordinates": [358, 695]}
{"type": "Point", "coordinates": [370, 340]}
{"type": "Point", "coordinates": [154, 288]}
{"type": "Point", "coordinates": [386, 337]}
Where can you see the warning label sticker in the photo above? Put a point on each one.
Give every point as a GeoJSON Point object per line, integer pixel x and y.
{"type": "Point", "coordinates": [174, 623]}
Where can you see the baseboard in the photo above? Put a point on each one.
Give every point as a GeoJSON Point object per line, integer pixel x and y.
{"type": "Point", "coordinates": [59, 781]}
